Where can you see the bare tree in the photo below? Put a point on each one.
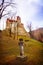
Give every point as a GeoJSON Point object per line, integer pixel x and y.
{"type": "Point", "coordinates": [30, 29]}
{"type": "Point", "coordinates": [3, 6]}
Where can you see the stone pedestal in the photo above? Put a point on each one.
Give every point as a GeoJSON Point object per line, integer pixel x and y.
{"type": "Point", "coordinates": [22, 58]}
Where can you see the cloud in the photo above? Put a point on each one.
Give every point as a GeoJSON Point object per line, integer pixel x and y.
{"type": "Point", "coordinates": [31, 10]}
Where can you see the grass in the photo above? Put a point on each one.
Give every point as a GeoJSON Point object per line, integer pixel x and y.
{"type": "Point", "coordinates": [9, 50]}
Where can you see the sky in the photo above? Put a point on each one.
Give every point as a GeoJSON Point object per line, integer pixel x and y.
{"type": "Point", "coordinates": [30, 11]}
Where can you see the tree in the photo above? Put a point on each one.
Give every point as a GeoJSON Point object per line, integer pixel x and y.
{"type": "Point", "coordinates": [3, 6]}
{"type": "Point", "coordinates": [30, 29]}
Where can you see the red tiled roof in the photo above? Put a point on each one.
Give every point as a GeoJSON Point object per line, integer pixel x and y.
{"type": "Point", "coordinates": [10, 20]}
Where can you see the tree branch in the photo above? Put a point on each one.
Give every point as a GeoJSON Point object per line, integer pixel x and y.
{"type": "Point", "coordinates": [5, 14]}
{"type": "Point", "coordinates": [8, 3]}
{"type": "Point", "coordinates": [9, 13]}
{"type": "Point", "coordinates": [1, 6]}
{"type": "Point", "coordinates": [2, 2]}
{"type": "Point", "coordinates": [6, 6]}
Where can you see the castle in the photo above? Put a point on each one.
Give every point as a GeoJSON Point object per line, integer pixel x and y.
{"type": "Point", "coordinates": [16, 26]}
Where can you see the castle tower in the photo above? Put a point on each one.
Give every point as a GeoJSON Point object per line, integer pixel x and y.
{"type": "Point", "coordinates": [20, 27]}
{"type": "Point", "coordinates": [18, 19]}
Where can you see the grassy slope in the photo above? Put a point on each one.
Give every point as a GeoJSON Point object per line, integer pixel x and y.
{"type": "Point", "coordinates": [9, 48]}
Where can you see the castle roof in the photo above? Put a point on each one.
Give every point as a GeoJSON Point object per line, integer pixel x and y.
{"type": "Point", "coordinates": [10, 20]}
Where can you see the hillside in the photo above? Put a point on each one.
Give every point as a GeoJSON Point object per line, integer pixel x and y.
{"type": "Point", "coordinates": [9, 50]}
{"type": "Point", "coordinates": [38, 34]}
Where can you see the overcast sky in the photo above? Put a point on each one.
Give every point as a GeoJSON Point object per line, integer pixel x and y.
{"type": "Point", "coordinates": [30, 11]}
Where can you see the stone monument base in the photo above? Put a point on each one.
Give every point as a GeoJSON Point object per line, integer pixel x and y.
{"type": "Point", "coordinates": [23, 58]}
